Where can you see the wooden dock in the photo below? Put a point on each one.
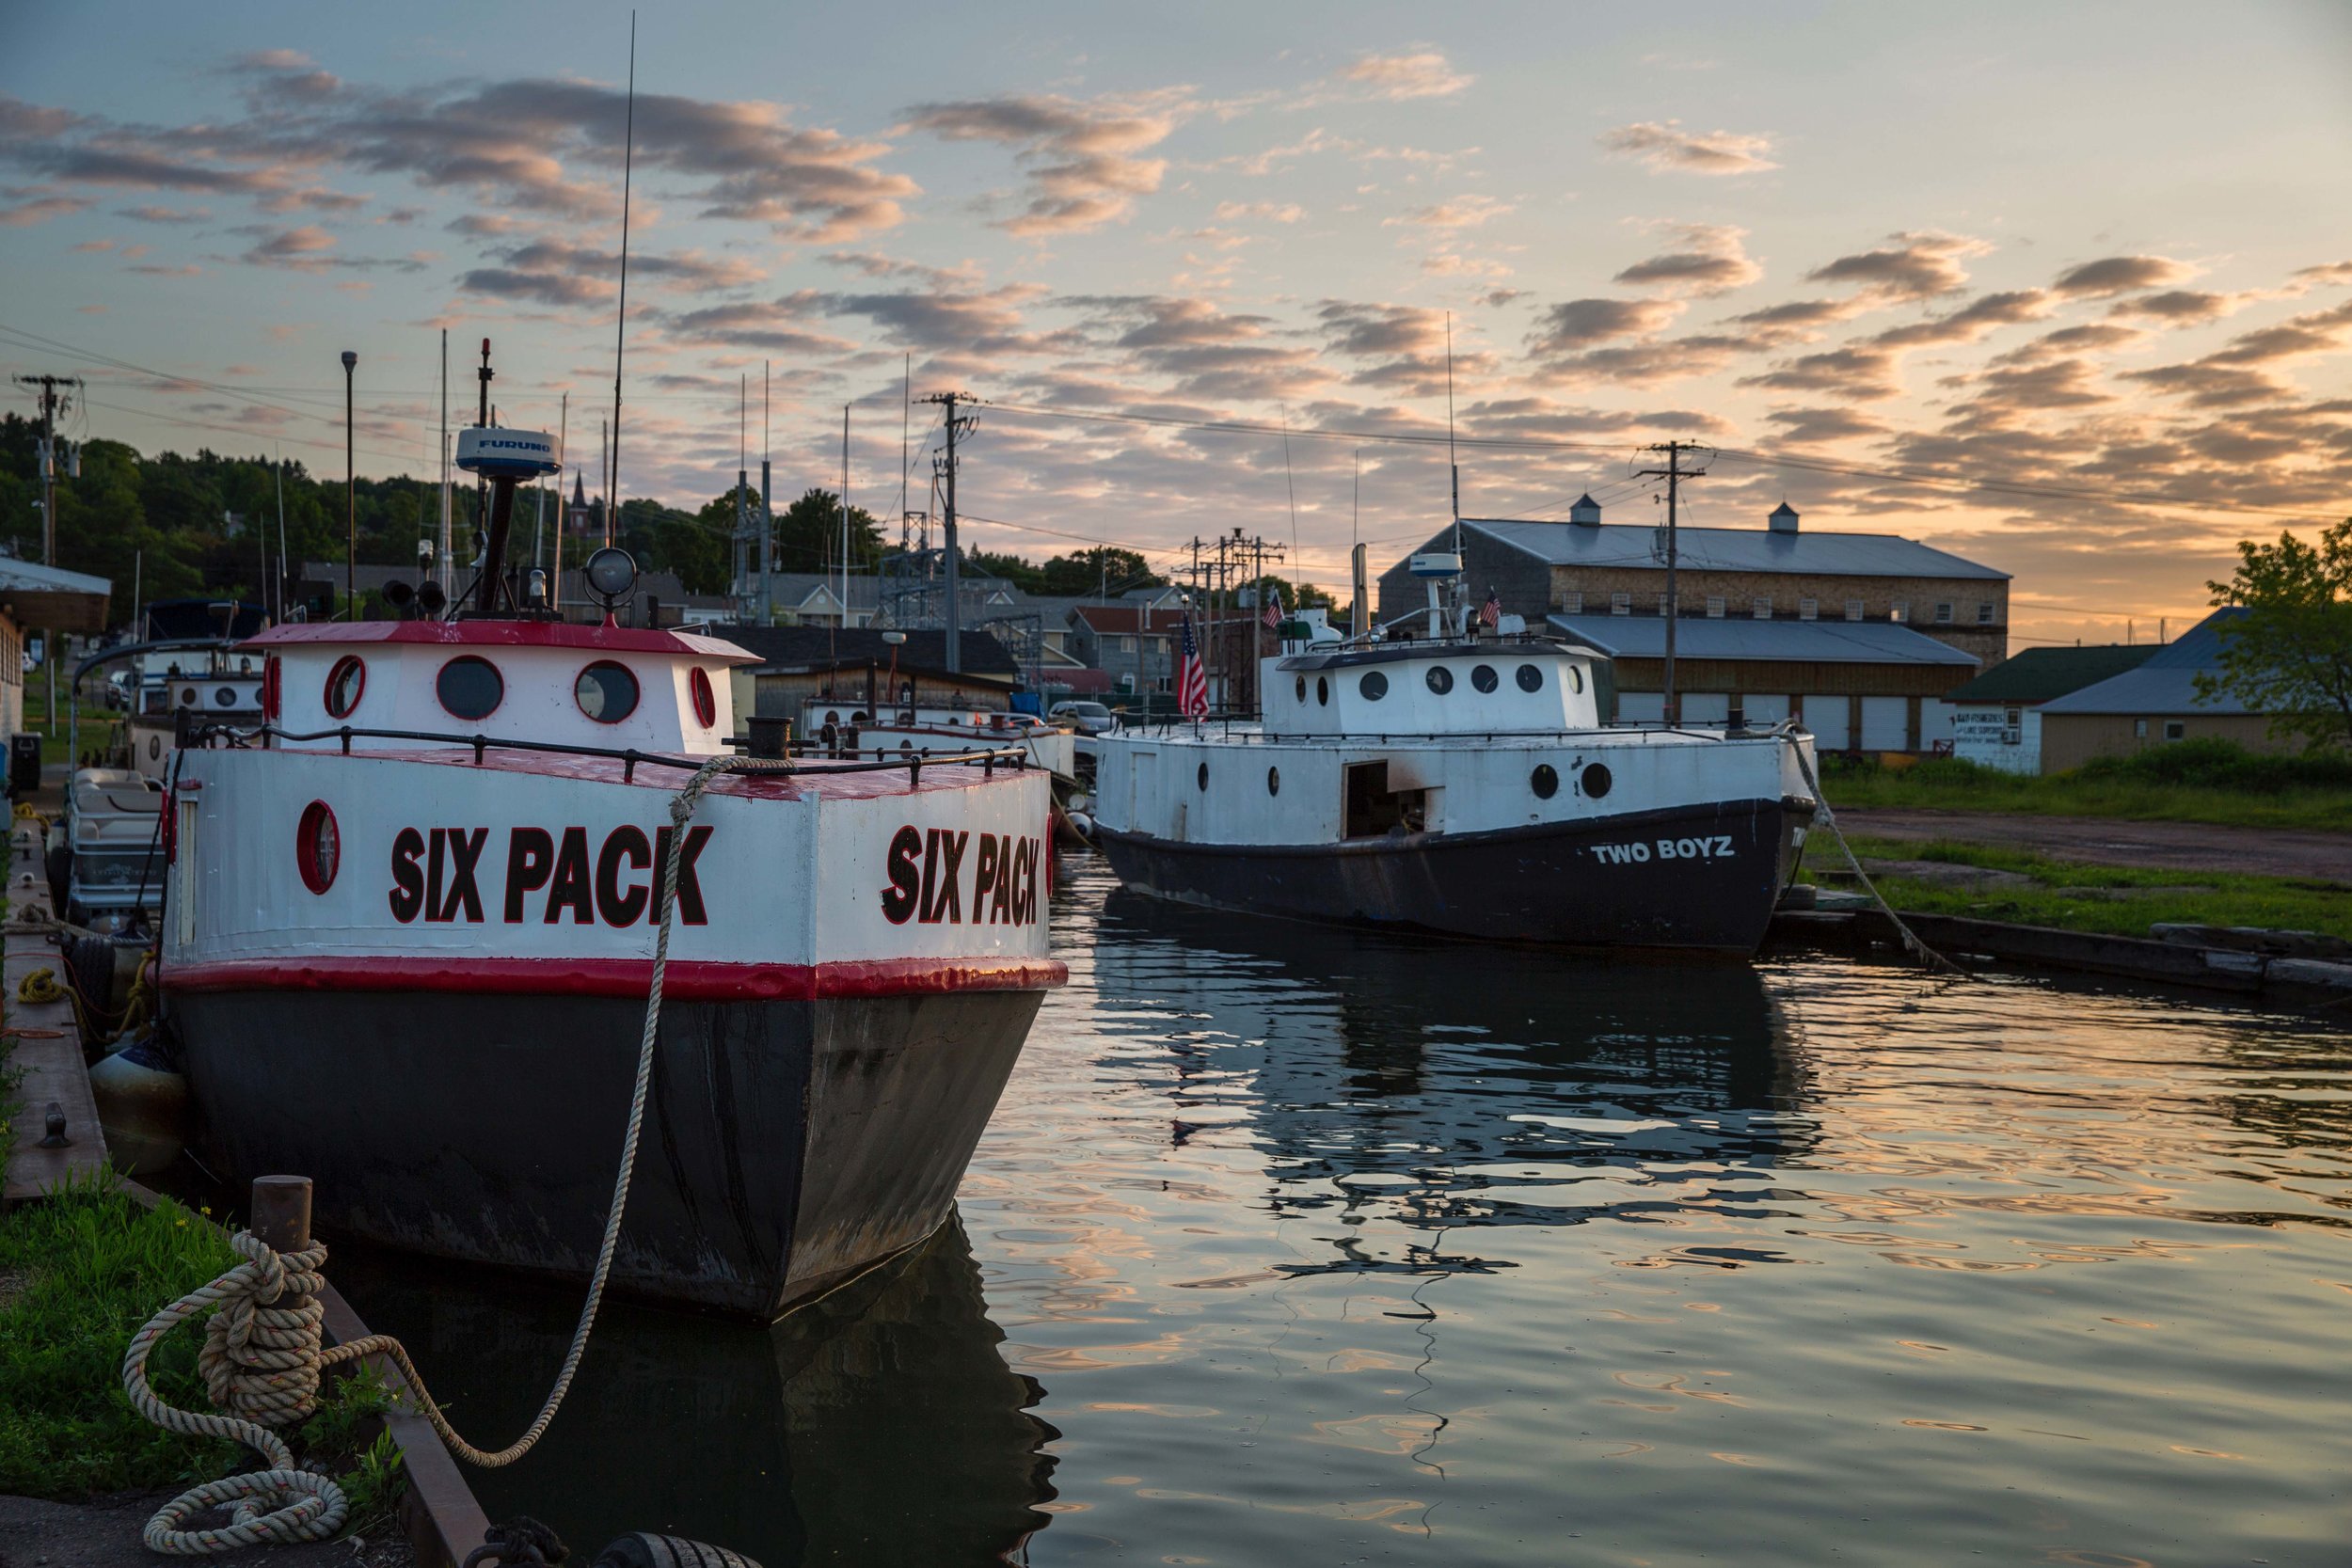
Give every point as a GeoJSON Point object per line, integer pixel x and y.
{"type": "Point", "coordinates": [47, 1040]}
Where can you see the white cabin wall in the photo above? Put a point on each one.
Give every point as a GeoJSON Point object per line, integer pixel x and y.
{"type": "Point", "coordinates": [538, 705]}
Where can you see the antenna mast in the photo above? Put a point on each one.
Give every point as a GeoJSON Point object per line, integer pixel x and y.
{"type": "Point", "coordinates": [620, 324]}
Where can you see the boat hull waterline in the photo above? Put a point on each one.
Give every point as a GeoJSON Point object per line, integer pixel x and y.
{"type": "Point", "coordinates": [1704, 875]}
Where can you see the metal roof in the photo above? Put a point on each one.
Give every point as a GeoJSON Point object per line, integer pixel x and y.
{"type": "Point", "coordinates": [1805, 642]}
{"type": "Point", "coordinates": [1725, 549]}
{"type": "Point", "coordinates": [2039, 675]}
{"type": "Point", "coordinates": [2167, 682]}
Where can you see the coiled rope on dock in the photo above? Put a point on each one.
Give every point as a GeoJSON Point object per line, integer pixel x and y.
{"type": "Point", "coordinates": [261, 1359]}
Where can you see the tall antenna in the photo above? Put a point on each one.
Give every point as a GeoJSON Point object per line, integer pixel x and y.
{"type": "Point", "coordinates": [620, 324]}
{"type": "Point", "coordinates": [1289, 483]}
{"type": "Point", "coordinates": [1452, 468]}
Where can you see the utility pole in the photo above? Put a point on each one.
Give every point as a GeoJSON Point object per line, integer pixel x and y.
{"type": "Point", "coordinates": [351, 503]}
{"type": "Point", "coordinates": [449, 576]}
{"type": "Point", "coordinates": [52, 402]}
{"type": "Point", "coordinates": [956, 426]}
{"type": "Point", "coordinates": [1674, 473]}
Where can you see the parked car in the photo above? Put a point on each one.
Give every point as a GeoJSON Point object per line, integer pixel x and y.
{"type": "Point", "coordinates": [1084, 717]}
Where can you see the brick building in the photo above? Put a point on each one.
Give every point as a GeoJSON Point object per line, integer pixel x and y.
{"type": "Point", "coordinates": [1859, 634]}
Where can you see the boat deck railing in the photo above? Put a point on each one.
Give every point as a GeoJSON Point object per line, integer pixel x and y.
{"type": "Point", "coordinates": [1257, 735]}
{"type": "Point", "coordinates": [840, 760]}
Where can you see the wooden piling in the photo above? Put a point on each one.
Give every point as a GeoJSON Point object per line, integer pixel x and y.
{"type": "Point", "coordinates": [282, 1211]}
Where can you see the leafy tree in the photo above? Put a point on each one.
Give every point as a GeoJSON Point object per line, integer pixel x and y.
{"type": "Point", "coordinates": [1094, 571]}
{"type": "Point", "coordinates": [1021, 573]}
{"type": "Point", "coordinates": [2290, 655]}
{"type": "Point", "coordinates": [808, 535]}
{"type": "Point", "coordinates": [1294, 595]}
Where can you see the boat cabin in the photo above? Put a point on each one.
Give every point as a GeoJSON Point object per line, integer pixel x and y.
{"type": "Point", "coordinates": [615, 687]}
{"type": "Point", "coordinates": [1485, 688]}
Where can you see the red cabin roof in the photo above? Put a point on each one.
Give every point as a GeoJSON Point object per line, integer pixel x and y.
{"type": "Point", "coordinates": [501, 634]}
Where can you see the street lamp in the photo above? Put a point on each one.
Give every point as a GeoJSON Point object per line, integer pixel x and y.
{"type": "Point", "coordinates": [351, 505]}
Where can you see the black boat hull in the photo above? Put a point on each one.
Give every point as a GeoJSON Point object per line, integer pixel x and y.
{"type": "Point", "coordinates": [788, 1144]}
{"type": "Point", "coordinates": [1702, 877]}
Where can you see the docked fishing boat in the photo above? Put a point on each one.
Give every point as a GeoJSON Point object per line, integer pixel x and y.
{"type": "Point", "coordinates": [1466, 786]}
{"type": "Point", "coordinates": [411, 925]}
{"type": "Point", "coordinates": [186, 658]}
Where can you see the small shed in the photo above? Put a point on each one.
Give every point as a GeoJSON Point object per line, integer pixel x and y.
{"type": "Point", "coordinates": [1997, 717]}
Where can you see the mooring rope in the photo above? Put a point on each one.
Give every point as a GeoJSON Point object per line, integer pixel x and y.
{"type": "Point", "coordinates": [262, 1358]}
{"type": "Point", "coordinates": [1823, 815]}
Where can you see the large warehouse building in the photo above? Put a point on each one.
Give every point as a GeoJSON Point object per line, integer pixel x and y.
{"type": "Point", "coordinates": [1859, 635]}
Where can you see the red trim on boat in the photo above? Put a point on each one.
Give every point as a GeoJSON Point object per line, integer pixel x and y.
{"type": "Point", "coordinates": [500, 634]}
{"type": "Point", "coordinates": [689, 980]}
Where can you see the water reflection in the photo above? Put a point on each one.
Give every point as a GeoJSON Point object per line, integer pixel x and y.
{"type": "Point", "coordinates": [1456, 1084]}
{"type": "Point", "coordinates": [879, 1425]}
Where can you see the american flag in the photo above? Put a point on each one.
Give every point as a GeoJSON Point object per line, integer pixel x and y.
{"type": "Point", "coordinates": [1273, 616]}
{"type": "Point", "coordinates": [1492, 611]}
{"type": "Point", "coordinates": [1192, 681]}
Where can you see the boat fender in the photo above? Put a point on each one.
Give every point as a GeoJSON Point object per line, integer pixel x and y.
{"type": "Point", "coordinates": [142, 1108]}
{"type": "Point", "coordinates": [640, 1549]}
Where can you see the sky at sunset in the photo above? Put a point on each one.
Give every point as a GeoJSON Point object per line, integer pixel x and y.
{"type": "Point", "coordinates": [2086, 267]}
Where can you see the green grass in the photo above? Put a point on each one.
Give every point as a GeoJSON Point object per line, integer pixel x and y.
{"type": "Point", "coordinates": [2187, 781]}
{"type": "Point", "coordinates": [2121, 900]}
{"type": "Point", "coordinates": [88, 1267]}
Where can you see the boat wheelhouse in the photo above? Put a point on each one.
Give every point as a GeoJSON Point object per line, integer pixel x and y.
{"type": "Point", "coordinates": [1466, 787]}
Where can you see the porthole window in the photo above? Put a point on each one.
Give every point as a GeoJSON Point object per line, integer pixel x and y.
{"type": "Point", "coordinates": [1302, 691]}
{"type": "Point", "coordinates": [1575, 677]}
{"type": "Point", "coordinates": [318, 846]}
{"type": "Point", "coordinates": [1545, 782]}
{"type": "Point", "coordinates": [1375, 686]}
{"type": "Point", "coordinates": [225, 697]}
{"type": "Point", "coordinates": [1597, 780]}
{"type": "Point", "coordinates": [1440, 679]}
{"type": "Point", "coordinates": [470, 687]}
{"type": "Point", "coordinates": [1323, 692]}
{"type": "Point", "coordinates": [1201, 777]}
{"type": "Point", "coordinates": [343, 685]}
{"type": "Point", "coordinates": [1274, 781]}
{"type": "Point", "coordinates": [606, 691]}
{"type": "Point", "coordinates": [1484, 677]}
{"type": "Point", "coordinates": [1531, 678]}
{"type": "Point", "coordinates": [705, 702]}
{"type": "Point", "coordinates": [187, 696]}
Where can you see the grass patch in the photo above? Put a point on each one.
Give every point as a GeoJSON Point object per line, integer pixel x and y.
{"type": "Point", "coordinates": [2120, 900]}
{"type": "Point", "coordinates": [2186, 781]}
{"type": "Point", "coordinates": [88, 1267]}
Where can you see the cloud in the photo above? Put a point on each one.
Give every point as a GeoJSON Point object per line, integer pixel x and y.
{"type": "Point", "coordinates": [554, 271]}
{"type": "Point", "coordinates": [1405, 343]}
{"type": "Point", "coordinates": [1579, 324]}
{"type": "Point", "coordinates": [779, 325]}
{"type": "Point", "coordinates": [2321, 332]}
{"type": "Point", "coordinates": [95, 245]}
{"type": "Point", "coordinates": [2325, 274]}
{"type": "Point", "coordinates": [1277, 211]}
{"type": "Point", "coordinates": [1808, 426]}
{"type": "Point", "coordinates": [167, 215]}
{"type": "Point", "coordinates": [1711, 260]}
{"type": "Point", "coordinates": [1202, 350]}
{"type": "Point", "coordinates": [1917, 265]}
{"type": "Point", "coordinates": [1666, 146]}
{"type": "Point", "coordinates": [969, 321]}
{"type": "Point", "coordinates": [1462, 212]}
{"type": "Point", "coordinates": [1972, 321]}
{"type": "Point", "coordinates": [1082, 159]}
{"type": "Point", "coordinates": [39, 209]}
{"type": "Point", "coordinates": [2121, 275]}
{"type": "Point", "coordinates": [299, 248]}
{"type": "Point", "coordinates": [1397, 78]}
{"type": "Point", "coordinates": [2178, 306]}
{"type": "Point", "coordinates": [1864, 372]}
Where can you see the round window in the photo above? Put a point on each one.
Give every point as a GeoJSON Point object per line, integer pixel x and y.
{"type": "Point", "coordinates": [1440, 679]}
{"type": "Point", "coordinates": [606, 691]}
{"type": "Point", "coordinates": [271, 676]}
{"type": "Point", "coordinates": [1597, 780]}
{"type": "Point", "coordinates": [1274, 781]}
{"type": "Point", "coordinates": [470, 687]}
{"type": "Point", "coordinates": [1531, 678]}
{"type": "Point", "coordinates": [1545, 782]}
{"type": "Point", "coordinates": [343, 685]}
{"type": "Point", "coordinates": [1302, 691]}
{"type": "Point", "coordinates": [1375, 686]}
{"type": "Point", "coordinates": [225, 697]}
{"type": "Point", "coordinates": [1484, 677]}
{"type": "Point", "coordinates": [318, 846]}
{"type": "Point", "coordinates": [1576, 678]}
{"type": "Point", "coordinates": [705, 703]}
{"type": "Point", "coordinates": [187, 696]}
{"type": "Point", "coordinates": [1322, 691]}
{"type": "Point", "coordinates": [1201, 777]}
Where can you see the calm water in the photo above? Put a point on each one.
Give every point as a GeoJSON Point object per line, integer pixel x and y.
{"type": "Point", "coordinates": [1295, 1247]}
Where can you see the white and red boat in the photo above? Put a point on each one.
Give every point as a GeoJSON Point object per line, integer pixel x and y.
{"type": "Point", "coordinates": [410, 928]}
